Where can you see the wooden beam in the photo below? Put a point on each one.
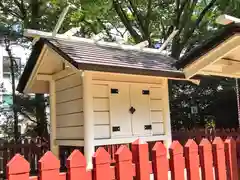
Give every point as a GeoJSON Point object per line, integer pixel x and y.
{"type": "Point", "coordinates": [66, 72]}
{"type": "Point", "coordinates": [44, 77]}
{"type": "Point", "coordinates": [35, 70]}
{"type": "Point", "coordinates": [231, 68]}
{"type": "Point", "coordinates": [213, 56]}
{"type": "Point", "coordinates": [212, 73]}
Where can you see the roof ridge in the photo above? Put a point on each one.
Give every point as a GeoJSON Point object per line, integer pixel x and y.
{"type": "Point", "coordinates": [61, 37]}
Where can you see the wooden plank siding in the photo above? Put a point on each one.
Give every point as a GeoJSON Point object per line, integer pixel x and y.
{"type": "Point", "coordinates": [101, 111]}
{"type": "Point", "coordinates": [69, 108]}
{"type": "Point", "coordinates": [156, 111]}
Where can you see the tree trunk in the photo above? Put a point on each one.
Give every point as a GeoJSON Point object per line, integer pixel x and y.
{"type": "Point", "coordinates": [42, 130]}
{"type": "Point", "coordinates": [176, 48]}
{"type": "Point", "coordinates": [12, 71]}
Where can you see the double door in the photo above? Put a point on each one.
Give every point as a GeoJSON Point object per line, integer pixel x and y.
{"type": "Point", "coordinates": [130, 110]}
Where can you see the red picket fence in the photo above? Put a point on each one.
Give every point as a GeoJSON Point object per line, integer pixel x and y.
{"type": "Point", "coordinates": [135, 163]}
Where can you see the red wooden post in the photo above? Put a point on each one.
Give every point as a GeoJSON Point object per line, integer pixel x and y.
{"type": "Point", "coordinates": [123, 158]}
{"type": "Point", "coordinates": [101, 165]}
{"type": "Point", "coordinates": [231, 159]}
{"type": "Point", "coordinates": [176, 161]}
{"type": "Point", "coordinates": [160, 162]}
{"type": "Point", "coordinates": [238, 148]}
{"type": "Point", "coordinates": [141, 159]}
{"type": "Point", "coordinates": [219, 159]}
{"type": "Point", "coordinates": [192, 160]}
{"type": "Point", "coordinates": [206, 159]}
{"type": "Point", "coordinates": [49, 167]}
{"type": "Point", "coordinates": [18, 168]}
{"type": "Point", "coordinates": [76, 165]}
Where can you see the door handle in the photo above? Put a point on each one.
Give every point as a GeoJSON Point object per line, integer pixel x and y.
{"type": "Point", "coordinates": [132, 110]}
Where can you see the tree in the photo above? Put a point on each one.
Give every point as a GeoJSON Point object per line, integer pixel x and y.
{"type": "Point", "coordinates": [151, 20]}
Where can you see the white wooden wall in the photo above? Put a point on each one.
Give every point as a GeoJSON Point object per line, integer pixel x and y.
{"type": "Point", "coordinates": [69, 108]}
{"type": "Point", "coordinates": [105, 109]}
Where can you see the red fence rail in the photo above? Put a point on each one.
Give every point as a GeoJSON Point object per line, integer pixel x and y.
{"type": "Point", "coordinates": [135, 163]}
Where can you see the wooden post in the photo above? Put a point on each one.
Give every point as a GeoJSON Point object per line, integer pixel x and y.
{"type": "Point", "coordinates": [49, 167]}
{"type": "Point", "coordinates": [192, 160]}
{"type": "Point", "coordinates": [231, 159]}
{"type": "Point", "coordinates": [160, 162]}
{"type": "Point", "coordinates": [76, 165]}
{"type": "Point", "coordinates": [101, 165]}
{"type": "Point", "coordinates": [166, 114]}
{"type": "Point", "coordinates": [206, 159]}
{"type": "Point", "coordinates": [123, 157]}
{"type": "Point", "coordinates": [219, 159]}
{"type": "Point", "coordinates": [18, 168]}
{"type": "Point", "coordinates": [141, 159]}
{"type": "Point", "coordinates": [88, 117]}
{"type": "Point", "coordinates": [176, 161]}
{"type": "Point", "coordinates": [53, 118]}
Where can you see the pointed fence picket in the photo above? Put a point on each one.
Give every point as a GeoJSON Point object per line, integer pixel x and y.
{"type": "Point", "coordinates": [198, 161]}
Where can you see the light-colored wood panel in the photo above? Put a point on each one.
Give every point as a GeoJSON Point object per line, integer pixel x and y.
{"type": "Point", "coordinates": [100, 90]}
{"type": "Point", "coordinates": [141, 116]}
{"type": "Point", "coordinates": [100, 104]}
{"type": "Point", "coordinates": [68, 82]}
{"type": "Point", "coordinates": [156, 116]}
{"type": "Point", "coordinates": [158, 128]}
{"type": "Point", "coordinates": [101, 118]}
{"type": "Point", "coordinates": [70, 120]}
{"type": "Point", "coordinates": [70, 133]}
{"type": "Point", "coordinates": [102, 131]}
{"type": "Point", "coordinates": [155, 93]}
{"type": "Point", "coordinates": [126, 78]}
{"type": "Point", "coordinates": [69, 107]}
{"type": "Point", "coordinates": [61, 74]}
{"type": "Point", "coordinates": [119, 112]}
{"type": "Point", "coordinates": [51, 63]}
{"type": "Point", "coordinates": [156, 104]}
{"type": "Point", "coordinates": [69, 94]}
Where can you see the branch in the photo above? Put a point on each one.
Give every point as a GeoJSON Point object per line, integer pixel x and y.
{"type": "Point", "coordinates": [126, 21]}
{"type": "Point", "coordinates": [187, 11]}
{"type": "Point", "coordinates": [7, 10]}
{"type": "Point", "coordinates": [105, 29]}
{"type": "Point", "coordinates": [163, 29]}
{"type": "Point", "coordinates": [179, 13]}
{"type": "Point", "coordinates": [138, 16]}
{"type": "Point", "coordinates": [21, 7]}
{"type": "Point", "coordinates": [198, 21]}
{"type": "Point", "coordinates": [28, 117]}
{"type": "Point", "coordinates": [147, 21]}
{"type": "Point", "coordinates": [122, 34]}
{"type": "Point", "coordinates": [92, 27]}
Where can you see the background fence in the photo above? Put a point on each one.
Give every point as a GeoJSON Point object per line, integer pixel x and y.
{"type": "Point", "coordinates": [217, 159]}
{"type": "Point", "coordinates": [197, 134]}
{"type": "Point", "coordinates": [31, 149]}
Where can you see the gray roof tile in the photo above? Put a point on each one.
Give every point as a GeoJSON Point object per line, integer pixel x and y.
{"type": "Point", "coordinates": [89, 53]}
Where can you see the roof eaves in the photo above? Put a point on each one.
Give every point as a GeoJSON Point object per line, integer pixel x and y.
{"type": "Point", "coordinates": [36, 50]}
{"type": "Point", "coordinates": [207, 45]}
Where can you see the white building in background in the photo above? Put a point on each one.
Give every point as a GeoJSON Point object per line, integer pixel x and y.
{"type": "Point", "coordinates": [20, 54]}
